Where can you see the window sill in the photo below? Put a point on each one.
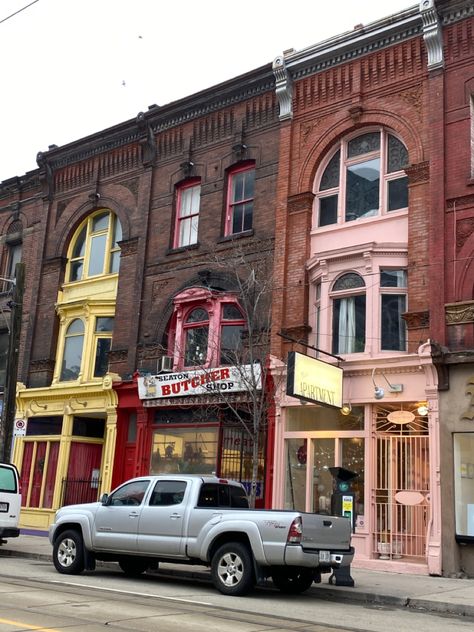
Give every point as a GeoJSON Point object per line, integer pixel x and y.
{"type": "Point", "coordinates": [181, 249]}
{"type": "Point", "coordinates": [245, 233]}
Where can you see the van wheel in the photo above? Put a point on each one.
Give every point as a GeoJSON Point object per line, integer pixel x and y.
{"type": "Point", "coordinates": [232, 569]}
{"type": "Point", "coordinates": [134, 567]}
{"type": "Point", "coordinates": [292, 581]}
{"type": "Point", "coordinates": [68, 553]}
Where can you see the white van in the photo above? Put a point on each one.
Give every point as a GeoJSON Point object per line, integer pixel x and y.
{"type": "Point", "coordinates": [10, 501]}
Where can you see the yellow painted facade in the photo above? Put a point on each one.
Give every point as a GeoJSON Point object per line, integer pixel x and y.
{"type": "Point", "coordinates": [77, 395]}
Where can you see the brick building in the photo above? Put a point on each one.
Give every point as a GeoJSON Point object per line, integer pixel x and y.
{"type": "Point", "coordinates": [135, 239]}
{"type": "Point", "coordinates": [363, 227]}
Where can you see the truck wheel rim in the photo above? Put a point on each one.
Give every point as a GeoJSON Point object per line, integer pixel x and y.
{"type": "Point", "coordinates": [230, 569]}
{"type": "Point", "coordinates": [67, 552]}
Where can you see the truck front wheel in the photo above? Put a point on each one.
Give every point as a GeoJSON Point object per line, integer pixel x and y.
{"type": "Point", "coordinates": [232, 569]}
{"type": "Point", "coordinates": [68, 553]}
{"type": "Point", "coordinates": [292, 581]}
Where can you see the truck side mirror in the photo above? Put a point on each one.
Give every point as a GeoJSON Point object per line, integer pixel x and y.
{"type": "Point", "coordinates": [104, 499]}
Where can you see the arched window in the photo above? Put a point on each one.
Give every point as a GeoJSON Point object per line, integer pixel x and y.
{"type": "Point", "coordinates": [348, 315]}
{"type": "Point", "coordinates": [94, 250]}
{"type": "Point", "coordinates": [187, 213]}
{"type": "Point", "coordinates": [206, 329]}
{"type": "Point", "coordinates": [196, 337]}
{"type": "Point", "coordinates": [364, 177]}
{"type": "Point", "coordinates": [72, 354]}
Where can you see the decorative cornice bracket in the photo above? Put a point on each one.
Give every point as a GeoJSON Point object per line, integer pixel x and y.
{"type": "Point", "coordinates": [283, 88]}
{"type": "Point", "coordinates": [432, 34]}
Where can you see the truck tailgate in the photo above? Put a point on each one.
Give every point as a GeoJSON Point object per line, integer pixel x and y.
{"type": "Point", "coordinates": [326, 532]}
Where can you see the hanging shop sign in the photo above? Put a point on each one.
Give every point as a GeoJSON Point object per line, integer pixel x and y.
{"type": "Point", "coordinates": [228, 379]}
{"type": "Point", "coordinates": [313, 380]}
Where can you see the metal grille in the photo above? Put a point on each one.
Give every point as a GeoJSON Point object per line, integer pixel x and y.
{"type": "Point", "coordinates": [402, 477]}
{"type": "Point", "coordinates": [79, 490]}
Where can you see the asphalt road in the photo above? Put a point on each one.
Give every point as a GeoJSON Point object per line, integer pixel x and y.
{"type": "Point", "coordinates": [33, 596]}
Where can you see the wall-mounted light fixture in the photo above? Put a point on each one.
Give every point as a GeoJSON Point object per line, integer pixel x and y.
{"type": "Point", "coordinates": [346, 409]}
{"type": "Point", "coordinates": [422, 409]}
{"type": "Point", "coordinates": [379, 392]}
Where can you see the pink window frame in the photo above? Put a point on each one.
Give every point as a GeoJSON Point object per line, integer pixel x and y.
{"type": "Point", "coordinates": [346, 162]}
{"type": "Point", "coordinates": [229, 211]}
{"type": "Point", "coordinates": [184, 304]}
{"type": "Point", "coordinates": [187, 184]}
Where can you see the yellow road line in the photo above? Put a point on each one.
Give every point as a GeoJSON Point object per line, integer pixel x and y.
{"type": "Point", "coordinates": [27, 625]}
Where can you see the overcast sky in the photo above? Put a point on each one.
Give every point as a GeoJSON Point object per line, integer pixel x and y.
{"type": "Point", "coordinates": [70, 68]}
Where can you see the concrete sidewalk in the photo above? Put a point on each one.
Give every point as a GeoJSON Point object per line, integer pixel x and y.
{"type": "Point", "coordinates": [435, 594]}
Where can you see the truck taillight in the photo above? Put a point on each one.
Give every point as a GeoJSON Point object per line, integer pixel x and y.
{"type": "Point", "coordinates": [295, 533]}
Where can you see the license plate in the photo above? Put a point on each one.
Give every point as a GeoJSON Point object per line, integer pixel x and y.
{"type": "Point", "coordinates": [3, 506]}
{"type": "Point", "coordinates": [324, 556]}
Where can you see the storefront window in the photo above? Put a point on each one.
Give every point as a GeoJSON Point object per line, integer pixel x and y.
{"type": "Point", "coordinates": [464, 484]}
{"type": "Point", "coordinates": [184, 450]}
{"type": "Point", "coordinates": [295, 489]}
{"type": "Point", "coordinates": [236, 460]}
{"type": "Point", "coordinates": [304, 418]}
{"type": "Point", "coordinates": [38, 473]}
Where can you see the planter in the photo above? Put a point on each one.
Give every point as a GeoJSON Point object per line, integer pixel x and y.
{"type": "Point", "coordinates": [384, 550]}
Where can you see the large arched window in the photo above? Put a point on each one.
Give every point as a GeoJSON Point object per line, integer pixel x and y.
{"type": "Point", "coordinates": [364, 177]}
{"type": "Point", "coordinates": [72, 354]}
{"type": "Point", "coordinates": [94, 250]}
{"type": "Point", "coordinates": [348, 315]}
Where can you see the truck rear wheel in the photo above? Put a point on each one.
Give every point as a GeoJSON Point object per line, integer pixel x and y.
{"type": "Point", "coordinates": [292, 581]}
{"type": "Point", "coordinates": [232, 569]}
{"type": "Point", "coordinates": [133, 567]}
{"type": "Point", "coordinates": [68, 553]}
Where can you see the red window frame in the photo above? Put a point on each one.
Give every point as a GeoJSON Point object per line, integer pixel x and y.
{"type": "Point", "coordinates": [233, 203]}
{"type": "Point", "coordinates": [184, 186]}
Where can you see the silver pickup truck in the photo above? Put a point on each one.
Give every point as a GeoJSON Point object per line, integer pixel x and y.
{"type": "Point", "coordinates": [200, 520]}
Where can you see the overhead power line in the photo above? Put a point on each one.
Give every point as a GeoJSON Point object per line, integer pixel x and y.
{"type": "Point", "coordinates": [19, 11]}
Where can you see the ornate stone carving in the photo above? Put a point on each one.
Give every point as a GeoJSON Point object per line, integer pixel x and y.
{"type": "Point", "coordinates": [301, 202]}
{"type": "Point", "coordinates": [417, 320]}
{"type": "Point", "coordinates": [464, 229]}
{"type": "Point", "coordinates": [128, 247]}
{"type": "Point", "coordinates": [457, 313]}
{"type": "Point", "coordinates": [307, 130]}
{"type": "Point", "coordinates": [469, 412]}
{"type": "Point", "coordinates": [53, 265]}
{"type": "Point", "coordinates": [413, 97]}
{"type": "Point", "coordinates": [418, 173]}
{"type": "Point", "coordinates": [44, 364]}
{"type": "Point", "coordinates": [158, 288]}
{"type": "Point", "coordinates": [132, 186]}
{"type": "Point", "coordinates": [118, 355]}
{"type": "Point", "coordinates": [283, 88]}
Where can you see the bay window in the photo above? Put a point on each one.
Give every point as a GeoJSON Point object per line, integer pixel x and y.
{"type": "Point", "coordinates": [348, 299]}
{"type": "Point", "coordinates": [393, 305]}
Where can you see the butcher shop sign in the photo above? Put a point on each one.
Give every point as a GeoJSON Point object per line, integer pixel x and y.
{"type": "Point", "coordinates": [227, 379]}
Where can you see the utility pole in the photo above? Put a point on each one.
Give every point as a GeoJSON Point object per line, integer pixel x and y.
{"type": "Point", "coordinates": [9, 402]}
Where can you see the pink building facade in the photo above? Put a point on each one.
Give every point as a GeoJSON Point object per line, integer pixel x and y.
{"type": "Point", "coordinates": [357, 233]}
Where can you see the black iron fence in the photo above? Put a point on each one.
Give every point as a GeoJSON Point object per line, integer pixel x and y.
{"type": "Point", "coordinates": [79, 490]}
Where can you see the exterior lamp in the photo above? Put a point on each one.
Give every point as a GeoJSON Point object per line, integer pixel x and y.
{"type": "Point", "coordinates": [346, 409]}
{"type": "Point", "coordinates": [422, 410]}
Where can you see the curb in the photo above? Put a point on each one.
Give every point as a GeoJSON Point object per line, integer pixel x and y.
{"type": "Point", "coordinates": [327, 594]}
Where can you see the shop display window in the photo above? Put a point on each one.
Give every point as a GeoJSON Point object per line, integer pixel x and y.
{"type": "Point", "coordinates": [464, 485]}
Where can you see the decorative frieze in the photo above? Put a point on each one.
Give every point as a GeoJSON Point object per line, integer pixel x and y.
{"type": "Point", "coordinates": [458, 313]}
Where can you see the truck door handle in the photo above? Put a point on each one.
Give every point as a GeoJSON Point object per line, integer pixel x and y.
{"type": "Point", "coordinates": [327, 523]}
{"type": "Point", "coordinates": [175, 516]}
{"type": "Point", "coordinates": [133, 514]}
